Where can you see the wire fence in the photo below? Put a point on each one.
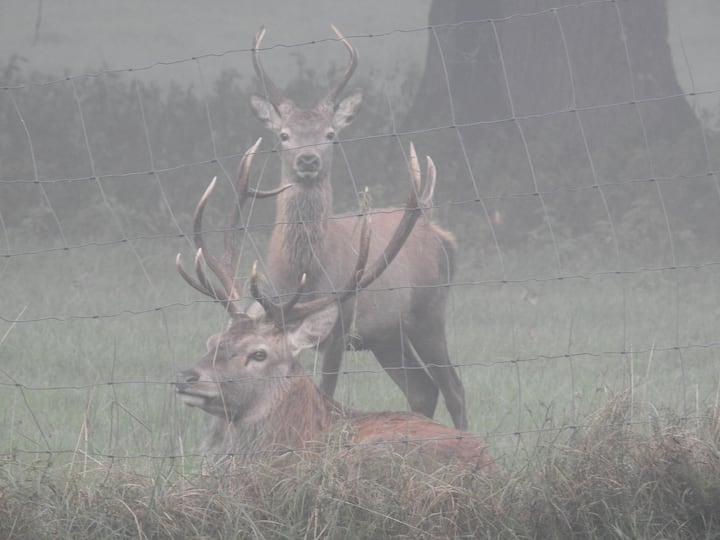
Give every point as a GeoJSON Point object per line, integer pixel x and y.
{"type": "Point", "coordinates": [567, 292]}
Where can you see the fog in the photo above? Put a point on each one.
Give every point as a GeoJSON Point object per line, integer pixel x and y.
{"type": "Point", "coordinates": [78, 36]}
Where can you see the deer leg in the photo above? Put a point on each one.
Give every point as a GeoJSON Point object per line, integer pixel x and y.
{"type": "Point", "coordinates": [430, 350]}
{"type": "Point", "coordinates": [420, 390]}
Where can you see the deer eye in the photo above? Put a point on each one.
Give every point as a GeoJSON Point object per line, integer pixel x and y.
{"type": "Point", "coordinates": [258, 356]}
{"type": "Point", "coordinates": [284, 136]}
{"type": "Point", "coordinates": [330, 135]}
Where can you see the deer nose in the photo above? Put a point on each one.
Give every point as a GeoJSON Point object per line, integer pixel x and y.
{"type": "Point", "coordinates": [308, 163]}
{"type": "Point", "coordinates": [185, 379]}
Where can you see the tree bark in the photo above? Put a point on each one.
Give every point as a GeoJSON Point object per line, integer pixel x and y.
{"type": "Point", "coordinates": [520, 96]}
{"type": "Point", "coordinates": [463, 43]}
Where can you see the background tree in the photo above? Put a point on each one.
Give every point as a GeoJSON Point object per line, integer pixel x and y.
{"type": "Point", "coordinates": [500, 73]}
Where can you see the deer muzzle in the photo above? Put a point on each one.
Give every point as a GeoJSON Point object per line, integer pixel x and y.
{"type": "Point", "coordinates": [191, 390]}
{"type": "Point", "coordinates": [185, 380]}
{"type": "Point", "coordinates": [307, 166]}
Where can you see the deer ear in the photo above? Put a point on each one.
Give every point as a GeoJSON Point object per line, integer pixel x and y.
{"type": "Point", "coordinates": [347, 110]}
{"type": "Point", "coordinates": [266, 112]}
{"type": "Point", "coordinates": [312, 330]}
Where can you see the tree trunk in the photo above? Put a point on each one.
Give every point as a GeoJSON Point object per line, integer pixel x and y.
{"type": "Point", "coordinates": [501, 85]}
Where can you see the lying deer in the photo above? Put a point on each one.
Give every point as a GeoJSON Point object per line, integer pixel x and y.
{"type": "Point", "coordinates": [253, 384]}
{"type": "Point", "coordinates": [402, 319]}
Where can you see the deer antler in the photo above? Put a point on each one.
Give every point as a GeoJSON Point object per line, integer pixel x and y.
{"type": "Point", "coordinates": [333, 95]}
{"type": "Point", "coordinates": [221, 270]}
{"type": "Point", "coordinates": [274, 311]}
{"type": "Point", "coordinates": [412, 212]}
{"type": "Point", "coordinates": [223, 267]}
{"type": "Point", "coordinates": [244, 192]}
{"type": "Point", "coordinates": [361, 277]}
{"type": "Point", "coordinates": [281, 313]}
{"type": "Point", "coordinates": [276, 97]}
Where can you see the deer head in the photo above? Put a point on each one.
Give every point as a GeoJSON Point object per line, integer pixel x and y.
{"type": "Point", "coordinates": [247, 366]}
{"type": "Point", "coordinates": [305, 135]}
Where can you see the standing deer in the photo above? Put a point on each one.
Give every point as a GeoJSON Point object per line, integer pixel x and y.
{"type": "Point", "coordinates": [402, 318]}
{"type": "Point", "coordinates": [254, 386]}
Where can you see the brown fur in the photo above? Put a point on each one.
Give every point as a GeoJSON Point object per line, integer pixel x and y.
{"type": "Point", "coordinates": [271, 406]}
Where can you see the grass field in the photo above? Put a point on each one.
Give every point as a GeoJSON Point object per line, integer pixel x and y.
{"type": "Point", "coordinates": [564, 376]}
{"type": "Point", "coordinates": [584, 315]}
{"type": "Point", "coordinates": [102, 340]}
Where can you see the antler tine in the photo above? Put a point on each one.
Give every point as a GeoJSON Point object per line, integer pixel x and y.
{"type": "Point", "coordinates": [276, 97]}
{"type": "Point", "coordinates": [243, 192]}
{"type": "Point", "coordinates": [202, 278]}
{"type": "Point", "coordinates": [410, 216]}
{"type": "Point", "coordinates": [428, 192]}
{"type": "Point", "coordinates": [411, 213]}
{"type": "Point", "coordinates": [415, 173]}
{"type": "Point", "coordinates": [363, 252]}
{"type": "Point", "coordinates": [197, 285]}
{"type": "Point", "coordinates": [275, 311]}
{"type": "Point", "coordinates": [203, 285]}
{"type": "Point", "coordinates": [230, 255]}
{"type": "Point", "coordinates": [199, 211]}
{"type": "Point", "coordinates": [352, 65]}
{"type": "Point", "coordinates": [222, 270]}
{"type": "Point", "coordinates": [242, 185]}
{"type": "Point", "coordinates": [425, 195]}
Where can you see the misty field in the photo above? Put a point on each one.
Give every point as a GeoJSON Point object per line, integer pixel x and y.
{"type": "Point", "coordinates": [584, 315]}
{"type": "Point", "coordinates": [600, 421]}
{"type": "Point", "coordinates": [535, 356]}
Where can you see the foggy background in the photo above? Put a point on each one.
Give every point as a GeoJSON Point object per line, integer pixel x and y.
{"type": "Point", "coordinates": [75, 36]}
{"type": "Point", "coordinates": [577, 153]}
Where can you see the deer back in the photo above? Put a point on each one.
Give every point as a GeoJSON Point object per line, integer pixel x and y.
{"type": "Point", "coordinates": [416, 436]}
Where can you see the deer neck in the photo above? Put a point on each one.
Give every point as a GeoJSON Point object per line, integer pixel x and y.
{"type": "Point", "coordinates": [301, 415]}
{"type": "Point", "coordinates": [302, 215]}
{"type": "Point", "coordinates": [296, 417]}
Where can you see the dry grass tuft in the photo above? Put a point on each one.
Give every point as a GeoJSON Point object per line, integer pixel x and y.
{"type": "Point", "coordinates": [610, 479]}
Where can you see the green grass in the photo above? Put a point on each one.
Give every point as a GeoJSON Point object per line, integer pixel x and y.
{"type": "Point", "coordinates": [100, 347]}
{"type": "Point", "coordinates": [96, 445]}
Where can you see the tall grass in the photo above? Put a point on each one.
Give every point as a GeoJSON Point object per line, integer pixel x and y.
{"type": "Point", "coordinates": [596, 439]}
{"type": "Point", "coordinates": [608, 479]}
